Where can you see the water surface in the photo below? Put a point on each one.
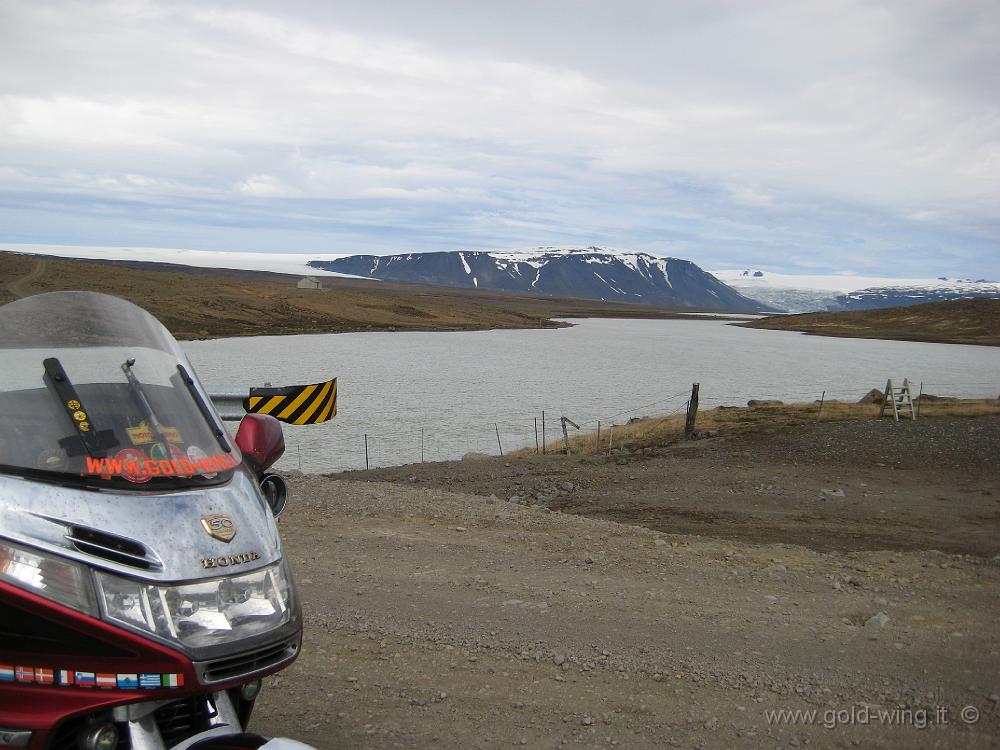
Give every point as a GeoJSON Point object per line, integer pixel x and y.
{"type": "Point", "coordinates": [455, 386]}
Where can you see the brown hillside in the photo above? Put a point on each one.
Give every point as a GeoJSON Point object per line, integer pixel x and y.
{"type": "Point", "coordinates": [209, 303]}
{"type": "Point", "coordinates": [959, 322]}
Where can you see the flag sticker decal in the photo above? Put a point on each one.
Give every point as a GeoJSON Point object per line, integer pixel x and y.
{"type": "Point", "coordinates": [86, 679]}
{"type": "Point", "coordinates": [105, 680]}
{"type": "Point", "coordinates": [128, 681]}
{"type": "Point", "coordinates": [46, 676]}
{"type": "Point", "coordinates": [173, 680]}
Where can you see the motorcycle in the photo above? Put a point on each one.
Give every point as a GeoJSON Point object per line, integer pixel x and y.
{"type": "Point", "coordinates": [144, 592]}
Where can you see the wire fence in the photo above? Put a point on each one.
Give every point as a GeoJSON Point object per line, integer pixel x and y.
{"type": "Point", "coordinates": [541, 429]}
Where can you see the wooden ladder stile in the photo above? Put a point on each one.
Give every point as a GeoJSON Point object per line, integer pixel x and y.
{"type": "Point", "coordinates": [906, 400]}
{"type": "Point", "coordinates": [901, 400]}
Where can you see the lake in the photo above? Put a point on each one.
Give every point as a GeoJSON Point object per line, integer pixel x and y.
{"type": "Point", "coordinates": [458, 389]}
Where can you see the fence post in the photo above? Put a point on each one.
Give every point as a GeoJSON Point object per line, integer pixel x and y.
{"type": "Point", "coordinates": [597, 443]}
{"type": "Point", "coordinates": [498, 438]}
{"type": "Point", "coordinates": [421, 445]}
{"type": "Point", "coordinates": [692, 412]}
{"type": "Point", "coordinates": [536, 435]}
{"type": "Point", "coordinates": [611, 437]}
{"type": "Point", "coordinates": [566, 420]}
{"type": "Point", "coordinates": [543, 432]}
{"type": "Point", "coordinates": [821, 400]}
{"type": "Point", "coordinates": [920, 399]}
{"type": "Point", "coordinates": [366, 451]}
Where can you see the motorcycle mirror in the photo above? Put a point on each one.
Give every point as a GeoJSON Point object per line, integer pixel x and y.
{"type": "Point", "coordinates": [275, 491]}
{"type": "Point", "coordinates": [260, 441]}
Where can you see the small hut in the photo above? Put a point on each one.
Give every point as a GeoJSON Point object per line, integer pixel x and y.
{"type": "Point", "coordinates": [309, 282]}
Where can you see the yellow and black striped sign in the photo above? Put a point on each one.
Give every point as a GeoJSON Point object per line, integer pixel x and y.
{"type": "Point", "coordinates": [295, 404]}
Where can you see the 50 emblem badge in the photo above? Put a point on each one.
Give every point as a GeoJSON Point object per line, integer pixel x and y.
{"type": "Point", "coordinates": [220, 527]}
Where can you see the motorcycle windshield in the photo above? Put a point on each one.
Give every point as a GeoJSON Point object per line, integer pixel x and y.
{"type": "Point", "coordinates": [94, 389]}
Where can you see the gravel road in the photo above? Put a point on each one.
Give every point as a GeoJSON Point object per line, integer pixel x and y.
{"type": "Point", "coordinates": [459, 619]}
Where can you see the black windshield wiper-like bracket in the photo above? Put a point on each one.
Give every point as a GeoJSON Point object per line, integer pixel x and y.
{"type": "Point", "coordinates": [87, 439]}
{"type": "Point", "coordinates": [205, 410]}
{"type": "Point", "coordinates": [138, 393]}
{"type": "Point", "coordinates": [135, 388]}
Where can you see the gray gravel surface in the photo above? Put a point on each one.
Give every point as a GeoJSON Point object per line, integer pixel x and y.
{"type": "Point", "coordinates": [444, 619]}
{"type": "Point", "coordinates": [933, 484]}
{"type": "Point", "coordinates": [948, 442]}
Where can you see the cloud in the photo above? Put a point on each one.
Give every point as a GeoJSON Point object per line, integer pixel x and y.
{"type": "Point", "coordinates": [264, 186]}
{"type": "Point", "coordinates": [721, 127]}
{"type": "Point", "coordinates": [747, 196]}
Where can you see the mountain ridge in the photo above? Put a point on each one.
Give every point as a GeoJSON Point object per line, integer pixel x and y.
{"type": "Point", "coordinates": [835, 293]}
{"type": "Point", "coordinates": [583, 272]}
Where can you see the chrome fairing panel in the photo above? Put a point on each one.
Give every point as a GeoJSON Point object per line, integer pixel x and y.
{"type": "Point", "coordinates": [168, 525]}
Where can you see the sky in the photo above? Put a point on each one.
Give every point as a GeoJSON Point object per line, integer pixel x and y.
{"type": "Point", "coordinates": [798, 137]}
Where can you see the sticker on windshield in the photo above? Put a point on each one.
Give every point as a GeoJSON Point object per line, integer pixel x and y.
{"type": "Point", "coordinates": [144, 434]}
{"type": "Point", "coordinates": [180, 458]}
{"type": "Point", "coordinates": [160, 452]}
{"type": "Point", "coordinates": [141, 435]}
{"type": "Point", "coordinates": [172, 434]}
{"type": "Point", "coordinates": [197, 457]}
{"type": "Point", "coordinates": [133, 465]}
{"type": "Point", "coordinates": [52, 459]}
{"type": "Point", "coordinates": [129, 461]}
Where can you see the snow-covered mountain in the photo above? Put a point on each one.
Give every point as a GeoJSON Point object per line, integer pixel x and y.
{"type": "Point", "coordinates": [587, 272]}
{"type": "Point", "coordinates": [808, 293]}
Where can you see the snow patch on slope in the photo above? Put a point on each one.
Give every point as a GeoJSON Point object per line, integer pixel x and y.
{"type": "Point", "coordinates": [539, 256]}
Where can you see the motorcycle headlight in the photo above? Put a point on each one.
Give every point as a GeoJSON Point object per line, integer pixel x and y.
{"type": "Point", "coordinates": [204, 613]}
{"type": "Point", "coordinates": [55, 578]}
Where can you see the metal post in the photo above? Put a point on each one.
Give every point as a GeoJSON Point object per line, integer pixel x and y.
{"type": "Point", "coordinates": [366, 451]}
{"type": "Point", "coordinates": [498, 438]}
{"type": "Point", "coordinates": [543, 433]}
{"type": "Point", "coordinates": [611, 437]}
{"type": "Point", "coordinates": [821, 400]}
{"type": "Point", "coordinates": [692, 412]}
{"type": "Point", "coordinates": [920, 400]}
{"type": "Point", "coordinates": [421, 445]}
{"type": "Point", "coordinates": [536, 435]}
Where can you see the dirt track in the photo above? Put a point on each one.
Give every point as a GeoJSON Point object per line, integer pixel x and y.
{"type": "Point", "coordinates": [451, 619]}
{"type": "Point", "coordinates": [19, 287]}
